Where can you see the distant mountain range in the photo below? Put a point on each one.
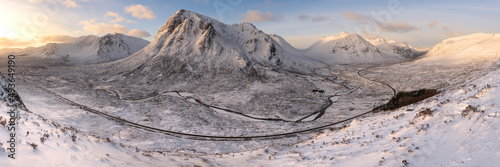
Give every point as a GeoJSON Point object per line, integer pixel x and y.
{"type": "Point", "coordinates": [191, 45]}
{"type": "Point", "coordinates": [84, 50]}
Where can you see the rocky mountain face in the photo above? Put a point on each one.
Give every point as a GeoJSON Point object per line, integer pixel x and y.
{"type": "Point", "coordinates": [193, 46]}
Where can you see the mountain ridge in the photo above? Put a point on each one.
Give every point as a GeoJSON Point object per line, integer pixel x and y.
{"type": "Point", "coordinates": [86, 50]}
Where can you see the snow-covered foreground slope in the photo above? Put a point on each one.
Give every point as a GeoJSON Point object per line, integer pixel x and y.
{"type": "Point", "coordinates": [460, 129]}
{"type": "Point", "coordinates": [85, 50]}
{"type": "Point", "coordinates": [350, 48]}
{"type": "Point", "coordinates": [466, 49]}
{"type": "Point", "coordinates": [45, 143]}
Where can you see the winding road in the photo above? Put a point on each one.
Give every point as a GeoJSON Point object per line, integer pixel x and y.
{"type": "Point", "coordinates": [211, 137]}
{"type": "Point", "coordinates": [320, 111]}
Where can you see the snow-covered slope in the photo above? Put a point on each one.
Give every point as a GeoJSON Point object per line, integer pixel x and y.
{"type": "Point", "coordinates": [466, 49]}
{"type": "Point", "coordinates": [43, 142]}
{"type": "Point", "coordinates": [285, 45]}
{"type": "Point", "coordinates": [350, 48]}
{"type": "Point", "coordinates": [395, 49]}
{"type": "Point", "coordinates": [459, 127]}
{"type": "Point", "coordinates": [191, 45]}
{"type": "Point", "coordinates": [88, 49]}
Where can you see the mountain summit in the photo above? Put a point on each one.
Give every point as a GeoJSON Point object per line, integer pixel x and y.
{"type": "Point", "coordinates": [351, 48]}
{"type": "Point", "coordinates": [191, 45]}
{"type": "Point", "coordinates": [88, 50]}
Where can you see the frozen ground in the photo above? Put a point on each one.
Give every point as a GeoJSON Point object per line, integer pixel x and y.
{"type": "Point", "coordinates": [284, 98]}
{"type": "Point", "coordinates": [454, 134]}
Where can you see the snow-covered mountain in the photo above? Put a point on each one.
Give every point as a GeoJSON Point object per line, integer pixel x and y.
{"type": "Point", "coordinates": [465, 49]}
{"type": "Point", "coordinates": [394, 48]}
{"type": "Point", "coordinates": [351, 48]}
{"type": "Point", "coordinates": [88, 49]}
{"type": "Point", "coordinates": [191, 45]}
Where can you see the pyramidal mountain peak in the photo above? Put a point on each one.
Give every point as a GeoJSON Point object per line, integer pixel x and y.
{"type": "Point", "coordinates": [191, 45]}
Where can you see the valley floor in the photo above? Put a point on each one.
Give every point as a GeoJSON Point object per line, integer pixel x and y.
{"type": "Point", "coordinates": [458, 127]}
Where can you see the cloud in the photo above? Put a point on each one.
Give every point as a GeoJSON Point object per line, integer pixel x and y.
{"type": "Point", "coordinates": [13, 43]}
{"type": "Point", "coordinates": [305, 17]}
{"type": "Point", "coordinates": [432, 24]}
{"type": "Point", "coordinates": [70, 4]}
{"type": "Point", "coordinates": [95, 27]}
{"type": "Point", "coordinates": [140, 12]}
{"type": "Point", "coordinates": [257, 16]}
{"type": "Point", "coordinates": [116, 16]}
{"type": "Point", "coordinates": [67, 3]}
{"type": "Point", "coordinates": [369, 35]}
{"type": "Point", "coordinates": [387, 26]}
{"type": "Point", "coordinates": [37, 41]}
{"type": "Point", "coordinates": [450, 32]}
{"type": "Point", "coordinates": [139, 33]}
{"type": "Point", "coordinates": [397, 27]}
{"type": "Point", "coordinates": [55, 39]}
{"type": "Point", "coordinates": [356, 16]}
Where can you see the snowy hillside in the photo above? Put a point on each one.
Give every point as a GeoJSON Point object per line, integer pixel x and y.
{"type": "Point", "coordinates": [457, 128]}
{"type": "Point", "coordinates": [347, 48]}
{"type": "Point", "coordinates": [205, 93]}
{"type": "Point", "coordinates": [395, 49]}
{"type": "Point", "coordinates": [87, 50]}
{"type": "Point", "coordinates": [285, 45]}
{"type": "Point", "coordinates": [460, 127]}
{"type": "Point", "coordinates": [466, 49]}
{"type": "Point", "coordinates": [43, 142]}
{"type": "Point", "coordinates": [191, 45]}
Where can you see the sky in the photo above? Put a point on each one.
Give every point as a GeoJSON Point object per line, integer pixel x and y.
{"type": "Point", "coordinates": [422, 23]}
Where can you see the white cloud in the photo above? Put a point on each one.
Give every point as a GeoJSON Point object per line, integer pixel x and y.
{"type": "Point", "coordinates": [140, 12]}
{"type": "Point", "coordinates": [116, 16]}
{"type": "Point", "coordinates": [139, 33]}
{"type": "Point", "coordinates": [258, 16]}
{"type": "Point", "coordinates": [95, 27]}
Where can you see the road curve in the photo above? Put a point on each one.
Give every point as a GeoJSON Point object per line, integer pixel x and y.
{"type": "Point", "coordinates": [205, 137]}
{"type": "Point", "coordinates": [321, 111]}
{"type": "Point", "coordinates": [394, 91]}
